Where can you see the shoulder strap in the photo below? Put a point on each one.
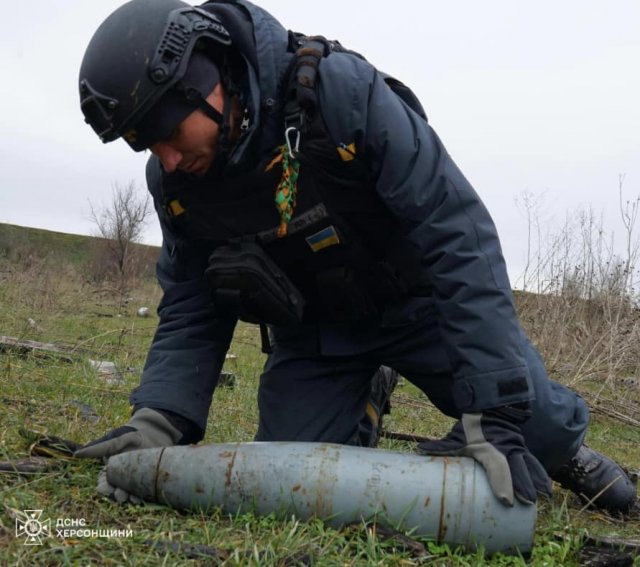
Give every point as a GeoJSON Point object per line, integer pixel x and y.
{"type": "Point", "coordinates": [301, 99]}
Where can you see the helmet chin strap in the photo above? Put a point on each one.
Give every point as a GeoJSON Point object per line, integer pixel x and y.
{"type": "Point", "coordinates": [222, 119]}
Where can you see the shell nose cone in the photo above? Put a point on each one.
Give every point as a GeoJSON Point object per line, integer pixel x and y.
{"type": "Point", "coordinates": [136, 472]}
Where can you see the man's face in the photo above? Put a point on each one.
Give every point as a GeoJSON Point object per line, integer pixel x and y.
{"type": "Point", "coordinates": [192, 145]}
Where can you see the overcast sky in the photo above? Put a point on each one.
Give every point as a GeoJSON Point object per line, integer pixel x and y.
{"type": "Point", "coordinates": [539, 97]}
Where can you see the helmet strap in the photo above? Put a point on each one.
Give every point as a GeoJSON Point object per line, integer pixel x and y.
{"type": "Point", "coordinates": [222, 119]}
{"type": "Point", "coordinates": [195, 97]}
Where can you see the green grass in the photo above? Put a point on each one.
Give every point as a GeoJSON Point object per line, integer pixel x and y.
{"type": "Point", "coordinates": [19, 242]}
{"type": "Point", "coordinates": [45, 395]}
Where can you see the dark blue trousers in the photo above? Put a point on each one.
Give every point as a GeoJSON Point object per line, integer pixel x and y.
{"type": "Point", "coordinates": [311, 391]}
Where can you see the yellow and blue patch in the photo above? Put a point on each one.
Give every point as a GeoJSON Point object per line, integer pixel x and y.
{"type": "Point", "coordinates": [347, 152]}
{"type": "Point", "coordinates": [323, 239]}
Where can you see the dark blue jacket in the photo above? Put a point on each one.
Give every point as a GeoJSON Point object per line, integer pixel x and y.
{"type": "Point", "coordinates": [439, 211]}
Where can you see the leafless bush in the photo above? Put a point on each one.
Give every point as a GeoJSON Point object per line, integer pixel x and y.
{"type": "Point", "coordinates": [579, 299]}
{"type": "Point", "coordinates": [120, 225]}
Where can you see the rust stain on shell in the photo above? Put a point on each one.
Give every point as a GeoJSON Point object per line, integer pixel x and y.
{"type": "Point", "coordinates": [227, 474]}
{"type": "Point", "coordinates": [163, 476]}
{"type": "Point", "coordinates": [442, 526]}
{"type": "Point", "coordinates": [329, 457]}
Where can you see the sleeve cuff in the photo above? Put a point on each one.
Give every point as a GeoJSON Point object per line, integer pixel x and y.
{"type": "Point", "coordinates": [493, 389]}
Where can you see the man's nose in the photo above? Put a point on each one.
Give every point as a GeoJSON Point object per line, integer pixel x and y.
{"type": "Point", "coordinates": [169, 157]}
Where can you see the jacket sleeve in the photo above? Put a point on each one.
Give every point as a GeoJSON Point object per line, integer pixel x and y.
{"type": "Point", "coordinates": [445, 221]}
{"type": "Point", "coordinates": [190, 343]}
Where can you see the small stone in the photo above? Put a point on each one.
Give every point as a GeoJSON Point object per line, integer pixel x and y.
{"type": "Point", "coordinates": [227, 380]}
{"type": "Point", "coordinates": [107, 371]}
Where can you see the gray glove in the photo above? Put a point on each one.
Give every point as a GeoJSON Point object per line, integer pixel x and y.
{"type": "Point", "coordinates": [113, 492]}
{"type": "Point", "coordinates": [147, 428]}
{"type": "Point", "coordinates": [493, 438]}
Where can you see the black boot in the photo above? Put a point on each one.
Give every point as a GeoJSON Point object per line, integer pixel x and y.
{"type": "Point", "coordinates": [597, 480]}
{"type": "Point", "coordinates": [383, 383]}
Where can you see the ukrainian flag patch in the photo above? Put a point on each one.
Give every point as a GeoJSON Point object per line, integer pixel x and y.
{"type": "Point", "coordinates": [322, 239]}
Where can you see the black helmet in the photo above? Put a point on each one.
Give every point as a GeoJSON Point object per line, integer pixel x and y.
{"type": "Point", "coordinates": [141, 53]}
